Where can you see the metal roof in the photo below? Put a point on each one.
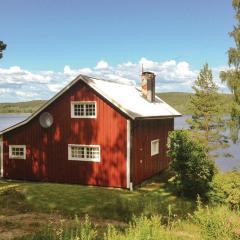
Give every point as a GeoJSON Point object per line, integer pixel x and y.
{"type": "Point", "coordinates": [127, 98]}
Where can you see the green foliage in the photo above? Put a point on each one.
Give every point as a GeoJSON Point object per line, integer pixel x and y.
{"type": "Point", "coordinates": [21, 107]}
{"type": "Point", "coordinates": [232, 76]}
{"type": "Point", "coordinates": [226, 189]}
{"type": "Point", "coordinates": [60, 231]}
{"type": "Point", "coordinates": [207, 117]}
{"type": "Point", "coordinates": [218, 223]}
{"type": "Point", "coordinates": [2, 47]}
{"type": "Point", "coordinates": [178, 100]}
{"type": "Point", "coordinates": [205, 224]}
{"type": "Point", "coordinates": [194, 171]}
{"type": "Point", "coordinates": [141, 228]}
{"type": "Point", "coordinates": [181, 101]}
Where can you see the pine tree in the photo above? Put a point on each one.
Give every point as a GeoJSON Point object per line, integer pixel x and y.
{"type": "Point", "coordinates": [207, 118]}
{"type": "Point", "coordinates": [232, 76]}
{"type": "Point", "coordinates": [2, 47]}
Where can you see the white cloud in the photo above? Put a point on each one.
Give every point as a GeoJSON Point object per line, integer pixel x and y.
{"type": "Point", "coordinates": [67, 70]}
{"type": "Point", "coordinates": [17, 84]}
{"type": "Point", "coordinates": [55, 87]}
{"type": "Point", "coordinates": [25, 94]}
{"type": "Point", "coordinates": [102, 65]}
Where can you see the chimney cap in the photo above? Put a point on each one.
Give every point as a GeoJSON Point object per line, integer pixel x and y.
{"type": "Point", "coordinates": [146, 73]}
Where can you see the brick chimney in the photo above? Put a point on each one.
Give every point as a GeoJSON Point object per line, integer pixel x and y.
{"type": "Point", "coordinates": [148, 86]}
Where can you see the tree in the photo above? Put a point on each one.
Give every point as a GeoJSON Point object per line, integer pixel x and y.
{"type": "Point", "coordinates": [232, 76]}
{"type": "Point", "coordinates": [194, 172]}
{"type": "Point", "coordinates": [207, 118]}
{"type": "Point", "coordinates": [2, 47]}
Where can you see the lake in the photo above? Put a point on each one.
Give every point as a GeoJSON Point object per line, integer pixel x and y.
{"type": "Point", "coordinates": [225, 164]}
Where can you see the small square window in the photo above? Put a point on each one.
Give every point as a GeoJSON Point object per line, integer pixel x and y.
{"type": "Point", "coordinates": [154, 147]}
{"type": "Point", "coordinates": [83, 109]}
{"type": "Point", "coordinates": [17, 151]}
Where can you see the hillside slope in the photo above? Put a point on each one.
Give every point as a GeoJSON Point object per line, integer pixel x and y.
{"type": "Point", "coordinates": [21, 107]}
{"type": "Point", "coordinates": [178, 100]}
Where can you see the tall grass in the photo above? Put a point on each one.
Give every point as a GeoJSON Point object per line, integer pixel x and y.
{"type": "Point", "coordinates": [205, 223]}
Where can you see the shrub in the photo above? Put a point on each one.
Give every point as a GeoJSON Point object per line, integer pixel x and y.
{"type": "Point", "coordinates": [218, 223]}
{"type": "Point", "coordinates": [141, 228]}
{"type": "Point", "coordinates": [226, 189]}
{"type": "Point", "coordinates": [194, 171]}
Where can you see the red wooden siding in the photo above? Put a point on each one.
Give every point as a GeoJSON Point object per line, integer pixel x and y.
{"type": "Point", "coordinates": [47, 149]}
{"type": "Point", "coordinates": [144, 165]}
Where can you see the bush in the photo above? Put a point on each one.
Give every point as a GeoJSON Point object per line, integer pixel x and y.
{"type": "Point", "coordinates": [194, 171]}
{"type": "Point", "coordinates": [142, 228]}
{"type": "Point", "coordinates": [226, 189]}
{"type": "Point", "coordinates": [218, 223]}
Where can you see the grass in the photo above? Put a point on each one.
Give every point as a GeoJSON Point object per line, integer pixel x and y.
{"type": "Point", "coordinates": [21, 203]}
{"type": "Point", "coordinates": [204, 224]}
{"type": "Point", "coordinates": [47, 211]}
{"type": "Point", "coordinates": [117, 204]}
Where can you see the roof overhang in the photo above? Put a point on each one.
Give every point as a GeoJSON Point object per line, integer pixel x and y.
{"type": "Point", "coordinates": [86, 80]}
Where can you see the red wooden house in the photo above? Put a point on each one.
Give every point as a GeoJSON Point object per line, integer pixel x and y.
{"type": "Point", "coordinates": [93, 132]}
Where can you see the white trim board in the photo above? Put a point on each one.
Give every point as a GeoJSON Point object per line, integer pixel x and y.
{"type": "Point", "coordinates": [128, 152]}
{"type": "Point", "coordinates": [1, 157]}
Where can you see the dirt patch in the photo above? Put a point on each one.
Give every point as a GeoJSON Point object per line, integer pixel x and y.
{"type": "Point", "coordinates": [22, 224]}
{"type": "Point", "coordinates": [12, 226]}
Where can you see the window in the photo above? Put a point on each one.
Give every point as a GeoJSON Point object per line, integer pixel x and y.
{"type": "Point", "coordinates": [154, 147]}
{"type": "Point", "coordinates": [84, 152]}
{"type": "Point", "coordinates": [83, 110]}
{"type": "Point", "coordinates": [17, 151]}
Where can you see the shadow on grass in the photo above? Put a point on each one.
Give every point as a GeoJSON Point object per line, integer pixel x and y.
{"type": "Point", "coordinates": [154, 196]}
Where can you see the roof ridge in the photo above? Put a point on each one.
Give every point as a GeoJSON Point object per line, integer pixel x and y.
{"type": "Point", "coordinates": [132, 112]}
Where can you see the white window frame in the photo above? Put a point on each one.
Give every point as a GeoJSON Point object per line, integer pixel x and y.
{"type": "Point", "coordinates": [85, 149]}
{"type": "Point", "coordinates": [11, 156]}
{"type": "Point", "coordinates": [73, 103]}
{"type": "Point", "coordinates": [153, 153]}
{"type": "Point", "coordinates": [1, 156]}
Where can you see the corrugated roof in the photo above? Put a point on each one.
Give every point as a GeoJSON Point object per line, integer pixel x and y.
{"type": "Point", "coordinates": [128, 98]}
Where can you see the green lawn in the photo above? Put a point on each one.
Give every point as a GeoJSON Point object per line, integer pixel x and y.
{"type": "Point", "coordinates": [155, 196]}
{"type": "Point", "coordinates": [28, 210]}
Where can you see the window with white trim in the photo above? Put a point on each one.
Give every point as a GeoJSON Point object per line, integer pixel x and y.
{"type": "Point", "coordinates": [154, 147]}
{"type": "Point", "coordinates": [17, 151]}
{"type": "Point", "coordinates": [84, 152]}
{"type": "Point", "coordinates": [83, 109]}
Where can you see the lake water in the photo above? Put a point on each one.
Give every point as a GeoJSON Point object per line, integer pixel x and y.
{"type": "Point", "coordinates": [225, 164]}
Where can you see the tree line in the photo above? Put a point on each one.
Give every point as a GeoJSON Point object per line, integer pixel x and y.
{"type": "Point", "coordinates": [192, 152]}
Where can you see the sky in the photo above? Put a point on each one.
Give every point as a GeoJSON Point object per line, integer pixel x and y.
{"type": "Point", "coordinates": [49, 42]}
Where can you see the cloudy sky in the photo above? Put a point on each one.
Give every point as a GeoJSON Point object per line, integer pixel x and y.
{"type": "Point", "coordinates": [50, 42]}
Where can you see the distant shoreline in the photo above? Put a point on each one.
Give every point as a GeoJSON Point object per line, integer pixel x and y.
{"type": "Point", "coordinates": [178, 100]}
{"type": "Point", "coordinates": [14, 113]}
